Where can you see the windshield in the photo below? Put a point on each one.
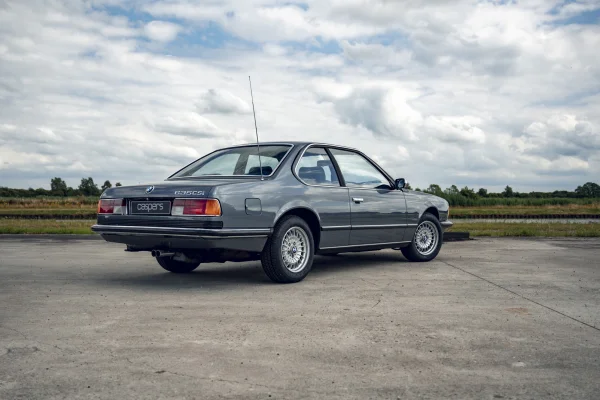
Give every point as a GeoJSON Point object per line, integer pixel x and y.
{"type": "Point", "coordinates": [237, 161]}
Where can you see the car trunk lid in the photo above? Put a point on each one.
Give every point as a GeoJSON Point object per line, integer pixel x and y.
{"type": "Point", "coordinates": [189, 188]}
{"type": "Point", "coordinates": [159, 200]}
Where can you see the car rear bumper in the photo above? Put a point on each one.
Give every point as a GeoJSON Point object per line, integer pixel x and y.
{"type": "Point", "coordinates": [150, 237]}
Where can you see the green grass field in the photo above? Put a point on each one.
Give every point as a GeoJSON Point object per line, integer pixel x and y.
{"type": "Point", "coordinates": [32, 226]}
{"type": "Point", "coordinates": [47, 211]}
{"type": "Point", "coordinates": [498, 229]}
{"type": "Point", "coordinates": [576, 209]}
{"type": "Point", "coordinates": [87, 206]}
{"type": "Point", "coordinates": [48, 202]}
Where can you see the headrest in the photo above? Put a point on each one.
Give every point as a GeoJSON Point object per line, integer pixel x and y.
{"type": "Point", "coordinates": [266, 170]}
{"type": "Point", "coordinates": [312, 174]}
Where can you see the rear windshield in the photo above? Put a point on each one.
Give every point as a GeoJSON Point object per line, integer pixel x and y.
{"type": "Point", "coordinates": [237, 161]}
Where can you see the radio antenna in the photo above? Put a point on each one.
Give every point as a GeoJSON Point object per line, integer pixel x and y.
{"type": "Point", "coordinates": [256, 130]}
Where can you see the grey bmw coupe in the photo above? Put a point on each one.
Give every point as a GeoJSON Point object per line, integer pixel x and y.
{"type": "Point", "coordinates": [280, 203]}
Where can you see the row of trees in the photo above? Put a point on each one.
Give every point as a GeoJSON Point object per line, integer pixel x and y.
{"type": "Point", "coordinates": [587, 190]}
{"type": "Point", "coordinates": [87, 187]}
{"type": "Point", "coordinates": [58, 187]}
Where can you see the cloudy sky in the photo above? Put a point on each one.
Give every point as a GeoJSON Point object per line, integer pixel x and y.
{"type": "Point", "coordinates": [477, 93]}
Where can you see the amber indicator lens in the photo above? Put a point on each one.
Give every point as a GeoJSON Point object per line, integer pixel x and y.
{"type": "Point", "coordinates": [208, 207]}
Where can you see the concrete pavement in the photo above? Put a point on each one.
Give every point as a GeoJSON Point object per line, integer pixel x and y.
{"type": "Point", "coordinates": [488, 319]}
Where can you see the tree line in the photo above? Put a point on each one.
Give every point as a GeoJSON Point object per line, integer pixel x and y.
{"type": "Point", "coordinates": [59, 188]}
{"type": "Point", "coordinates": [467, 197]}
{"type": "Point", "coordinates": [456, 196]}
{"type": "Point", "coordinates": [587, 190]}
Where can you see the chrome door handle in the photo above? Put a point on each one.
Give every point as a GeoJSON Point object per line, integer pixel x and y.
{"type": "Point", "coordinates": [357, 199]}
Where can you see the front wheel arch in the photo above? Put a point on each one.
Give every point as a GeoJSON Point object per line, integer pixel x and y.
{"type": "Point", "coordinates": [433, 211]}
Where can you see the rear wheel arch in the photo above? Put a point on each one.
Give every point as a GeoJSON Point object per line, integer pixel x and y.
{"type": "Point", "coordinates": [311, 218]}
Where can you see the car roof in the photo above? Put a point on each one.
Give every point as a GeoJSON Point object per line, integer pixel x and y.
{"type": "Point", "coordinates": [294, 142]}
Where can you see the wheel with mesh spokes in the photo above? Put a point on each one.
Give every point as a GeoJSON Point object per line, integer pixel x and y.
{"type": "Point", "coordinates": [427, 241]}
{"type": "Point", "coordinates": [288, 255]}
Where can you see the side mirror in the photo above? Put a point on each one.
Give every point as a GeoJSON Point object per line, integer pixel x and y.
{"type": "Point", "coordinates": [400, 183]}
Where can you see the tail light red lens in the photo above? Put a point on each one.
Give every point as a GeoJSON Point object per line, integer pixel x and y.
{"type": "Point", "coordinates": [111, 206]}
{"type": "Point", "coordinates": [208, 207]}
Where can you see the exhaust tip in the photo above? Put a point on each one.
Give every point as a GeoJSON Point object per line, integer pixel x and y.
{"type": "Point", "coordinates": [161, 253]}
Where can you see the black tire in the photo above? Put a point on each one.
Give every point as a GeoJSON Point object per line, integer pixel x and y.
{"type": "Point", "coordinates": [177, 267]}
{"type": "Point", "coordinates": [412, 253]}
{"type": "Point", "coordinates": [272, 258]}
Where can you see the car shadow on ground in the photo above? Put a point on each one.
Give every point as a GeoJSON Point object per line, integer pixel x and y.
{"type": "Point", "coordinates": [325, 265]}
{"type": "Point", "coordinates": [237, 275]}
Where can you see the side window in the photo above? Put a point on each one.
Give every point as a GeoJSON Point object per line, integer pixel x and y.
{"type": "Point", "coordinates": [315, 168]}
{"type": "Point", "coordinates": [253, 165]}
{"type": "Point", "coordinates": [358, 171]}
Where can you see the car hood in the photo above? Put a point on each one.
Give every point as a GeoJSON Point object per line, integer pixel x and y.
{"type": "Point", "coordinates": [427, 196]}
{"type": "Point", "coordinates": [172, 188]}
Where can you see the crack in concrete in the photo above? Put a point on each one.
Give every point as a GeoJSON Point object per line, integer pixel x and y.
{"type": "Point", "coordinates": [521, 296]}
{"type": "Point", "coordinates": [370, 283]}
{"type": "Point", "coordinates": [37, 341]}
{"type": "Point", "coordinates": [204, 378]}
{"type": "Point", "coordinates": [14, 330]}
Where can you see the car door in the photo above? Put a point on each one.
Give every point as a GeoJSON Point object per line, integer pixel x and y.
{"type": "Point", "coordinates": [377, 209]}
{"type": "Point", "coordinates": [327, 196]}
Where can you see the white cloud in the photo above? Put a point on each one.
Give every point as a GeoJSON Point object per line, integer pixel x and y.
{"type": "Point", "coordinates": [223, 102]}
{"type": "Point", "coordinates": [562, 135]}
{"type": "Point", "coordinates": [376, 54]}
{"type": "Point", "coordinates": [162, 31]}
{"type": "Point", "coordinates": [570, 9]}
{"type": "Point", "coordinates": [455, 129]}
{"type": "Point", "coordinates": [383, 112]}
{"type": "Point", "coordinates": [185, 124]}
{"type": "Point", "coordinates": [402, 152]}
{"type": "Point", "coordinates": [562, 165]}
{"type": "Point", "coordinates": [448, 92]}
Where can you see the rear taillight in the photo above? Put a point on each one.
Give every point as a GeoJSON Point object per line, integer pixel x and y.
{"type": "Point", "coordinates": [208, 207]}
{"type": "Point", "coordinates": [111, 206]}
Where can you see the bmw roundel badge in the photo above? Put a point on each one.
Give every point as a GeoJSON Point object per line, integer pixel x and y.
{"type": "Point", "coordinates": [149, 189]}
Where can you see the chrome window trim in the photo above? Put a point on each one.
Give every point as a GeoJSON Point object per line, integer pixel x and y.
{"type": "Point", "coordinates": [370, 161]}
{"type": "Point", "coordinates": [283, 159]}
{"type": "Point", "coordinates": [297, 161]}
{"type": "Point", "coordinates": [335, 146]}
{"type": "Point", "coordinates": [368, 188]}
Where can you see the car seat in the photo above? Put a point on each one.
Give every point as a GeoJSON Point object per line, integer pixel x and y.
{"type": "Point", "coordinates": [328, 164]}
{"type": "Point", "coordinates": [312, 174]}
{"type": "Point", "coordinates": [266, 170]}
